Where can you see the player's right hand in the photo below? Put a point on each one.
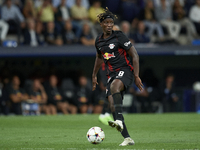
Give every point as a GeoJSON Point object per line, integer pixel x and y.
{"type": "Point", "coordinates": [94, 83]}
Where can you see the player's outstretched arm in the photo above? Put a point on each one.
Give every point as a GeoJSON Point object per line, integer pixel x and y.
{"type": "Point", "coordinates": [97, 65]}
{"type": "Point", "coordinates": [135, 58]}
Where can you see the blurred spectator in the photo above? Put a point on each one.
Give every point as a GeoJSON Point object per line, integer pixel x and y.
{"type": "Point", "coordinates": [62, 17]}
{"type": "Point", "coordinates": [151, 84]}
{"type": "Point", "coordinates": [80, 15]}
{"type": "Point", "coordinates": [69, 90]}
{"type": "Point", "coordinates": [79, 12]}
{"type": "Point", "coordinates": [164, 16]}
{"type": "Point", "coordinates": [70, 3]}
{"type": "Point", "coordinates": [94, 10]}
{"type": "Point", "coordinates": [38, 3]}
{"type": "Point", "coordinates": [168, 96]}
{"type": "Point", "coordinates": [3, 30]}
{"type": "Point", "coordinates": [170, 2]}
{"type": "Point", "coordinates": [45, 15]}
{"type": "Point", "coordinates": [125, 27]}
{"type": "Point", "coordinates": [59, 41]}
{"type": "Point", "coordinates": [6, 75]}
{"type": "Point", "coordinates": [188, 5]}
{"type": "Point", "coordinates": [116, 27]}
{"type": "Point", "coordinates": [51, 37]}
{"type": "Point", "coordinates": [18, 3]}
{"type": "Point", "coordinates": [179, 15]}
{"type": "Point", "coordinates": [194, 15]}
{"type": "Point", "coordinates": [83, 95]}
{"type": "Point", "coordinates": [16, 95]}
{"type": "Point", "coordinates": [134, 25]}
{"type": "Point", "coordinates": [140, 35]}
{"type": "Point", "coordinates": [30, 36]}
{"type": "Point", "coordinates": [62, 13]}
{"type": "Point", "coordinates": [42, 11]}
{"type": "Point", "coordinates": [38, 95]}
{"type": "Point", "coordinates": [87, 37]}
{"type": "Point", "coordinates": [12, 15]}
{"type": "Point", "coordinates": [55, 99]}
{"type": "Point", "coordinates": [158, 3]}
{"type": "Point", "coordinates": [84, 3]}
{"type": "Point", "coordinates": [131, 9]}
{"type": "Point", "coordinates": [56, 3]}
{"type": "Point", "coordinates": [148, 16]}
{"type": "Point", "coordinates": [4, 100]}
{"type": "Point", "coordinates": [46, 12]}
{"type": "Point", "coordinates": [29, 10]}
{"type": "Point", "coordinates": [69, 36]}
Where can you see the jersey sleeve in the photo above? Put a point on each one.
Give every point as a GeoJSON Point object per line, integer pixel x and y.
{"type": "Point", "coordinates": [96, 45]}
{"type": "Point", "coordinates": [123, 40]}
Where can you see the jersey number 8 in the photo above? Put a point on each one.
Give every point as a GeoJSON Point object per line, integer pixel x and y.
{"type": "Point", "coordinates": [121, 73]}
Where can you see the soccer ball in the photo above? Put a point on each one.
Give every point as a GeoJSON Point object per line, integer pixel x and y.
{"type": "Point", "coordinates": [95, 135]}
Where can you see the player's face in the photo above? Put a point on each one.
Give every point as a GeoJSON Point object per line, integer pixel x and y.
{"type": "Point", "coordinates": [107, 25]}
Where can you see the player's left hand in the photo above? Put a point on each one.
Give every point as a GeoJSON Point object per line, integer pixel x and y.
{"type": "Point", "coordinates": [138, 83]}
{"type": "Point", "coordinates": [94, 83]}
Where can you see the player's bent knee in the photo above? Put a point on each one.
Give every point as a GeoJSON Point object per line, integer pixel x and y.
{"type": "Point", "coordinates": [114, 90]}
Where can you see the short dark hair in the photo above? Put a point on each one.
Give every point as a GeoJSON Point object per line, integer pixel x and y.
{"type": "Point", "coordinates": [105, 14]}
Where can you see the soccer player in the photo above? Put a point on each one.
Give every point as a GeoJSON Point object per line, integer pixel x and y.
{"type": "Point", "coordinates": [104, 117]}
{"type": "Point", "coordinates": [114, 49]}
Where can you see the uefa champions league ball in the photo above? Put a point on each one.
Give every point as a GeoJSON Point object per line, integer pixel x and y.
{"type": "Point", "coordinates": [95, 135]}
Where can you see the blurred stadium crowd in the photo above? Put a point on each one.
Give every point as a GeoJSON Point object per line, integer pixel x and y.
{"type": "Point", "coordinates": [61, 22]}
{"type": "Point", "coordinates": [52, 94]}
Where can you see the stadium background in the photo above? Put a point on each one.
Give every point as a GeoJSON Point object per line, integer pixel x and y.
{"type": "Point", "coordinates": [71, 61]}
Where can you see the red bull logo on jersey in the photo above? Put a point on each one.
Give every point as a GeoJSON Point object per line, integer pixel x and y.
{"type": "Point", "coordinates": [108, 55]}
{"type": "Point", "coordinates": [111, 46]}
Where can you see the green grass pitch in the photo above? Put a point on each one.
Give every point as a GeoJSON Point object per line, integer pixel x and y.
{"type": "Point", "coordinates": [68, 132]}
